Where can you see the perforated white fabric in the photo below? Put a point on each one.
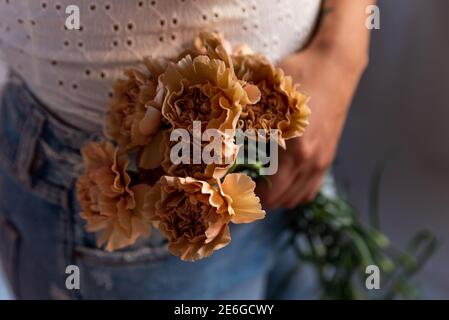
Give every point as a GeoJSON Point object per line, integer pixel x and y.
{"type": "Point", "coordinates": [72, 71]}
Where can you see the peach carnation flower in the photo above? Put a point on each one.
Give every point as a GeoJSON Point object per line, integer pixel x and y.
{"type": "Point", "coordinates": [206, 90]}
{"type": "Point", "coordinates": [134, 114]}
{"type": "Point", "coordinates": [216, 168]}
{"type": "Point", "coordinates": [194, 215]}
{"type": "Point", "coordinates": [108, 203]}
{"type": "Point", "coordinates": [281, 105]}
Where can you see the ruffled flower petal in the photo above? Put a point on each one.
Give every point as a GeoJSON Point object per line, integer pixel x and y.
{"type": "Point", "coordinates": [243, 204]}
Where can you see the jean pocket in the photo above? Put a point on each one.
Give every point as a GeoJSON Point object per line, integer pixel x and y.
{"type": "Point", "coordinates": [128, 274]}
{"type": "Point", "coordinates": [22, 126]}
{"type": "Point", "coordinates": [9, 245]}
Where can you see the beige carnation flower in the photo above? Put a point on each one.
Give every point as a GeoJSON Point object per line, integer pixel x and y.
{"type": "Point", "coordinates": [134, 114]}
{"type": "Point", "coordinates": [194, 215]}
{"type": "Point", "coordinates": [281, 105]}
{"type": "Point", "coordinates": [191, 214]}
{"type": "Point", "coordinates": [109, 204]}
{"type": "Point", "coordinates": [214, 169]}
{"type": "Point", "coordinates": [155, 159]}
{"type": "Point", "coordinates": [206, 90]}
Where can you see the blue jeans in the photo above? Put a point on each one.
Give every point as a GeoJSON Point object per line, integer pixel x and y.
{"type": "Point", "coordinates": [41, 232]}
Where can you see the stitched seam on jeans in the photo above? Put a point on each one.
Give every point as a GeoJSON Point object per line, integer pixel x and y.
{"type": "Point", "coordinates": [67, 257]}
{"type": "Point", "coordinates": [48, 192]}
{"type": "Point", "coordinates": [13, 117]}
{"type": "Point", "coordinates": [27, 145]}
{"type": "Point", "coordinates": [69, 162]}
{"type": "Point", "coordinates": [97, 257]}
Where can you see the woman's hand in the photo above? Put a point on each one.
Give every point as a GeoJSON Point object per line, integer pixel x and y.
{"type": "Point", "coordinates": [328, 71]}
{"type": "Point", "coordinates": [330, 81]}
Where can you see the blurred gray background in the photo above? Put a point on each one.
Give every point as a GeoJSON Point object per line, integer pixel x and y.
{"type": "Point", "coordinates": [402, 106]}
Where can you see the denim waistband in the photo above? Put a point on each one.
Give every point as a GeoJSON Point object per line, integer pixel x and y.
{"type": "Point", "coordinates": [36, 146]}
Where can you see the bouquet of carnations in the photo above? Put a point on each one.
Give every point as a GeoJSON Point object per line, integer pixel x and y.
{"type": "Point", "coordinates": [171, 161]}
{"type": "Point", "coordinates": [175, 161]}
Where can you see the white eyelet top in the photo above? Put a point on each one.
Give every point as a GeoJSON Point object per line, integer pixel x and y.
{"type": "Point", "coordinates": [72, 71]}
